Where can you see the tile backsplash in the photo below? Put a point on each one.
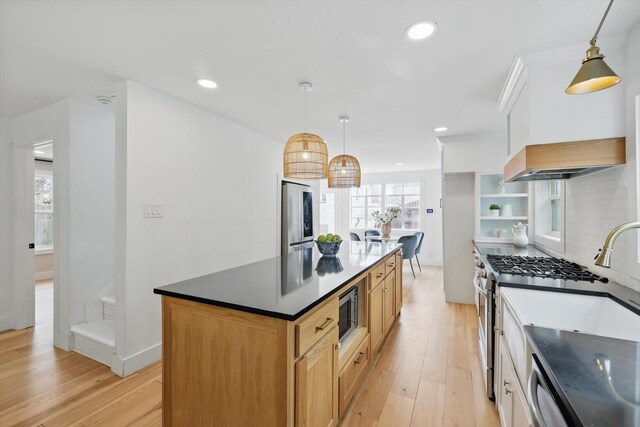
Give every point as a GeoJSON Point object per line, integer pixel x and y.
{"type": "Point", "coordinates": [595, 204]}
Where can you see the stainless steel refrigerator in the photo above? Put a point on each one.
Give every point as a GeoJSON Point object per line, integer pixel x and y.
{"type": "Point", "coordinates": [297, 217]}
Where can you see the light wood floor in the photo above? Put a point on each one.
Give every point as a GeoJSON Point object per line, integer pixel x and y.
{"type": "Point", "coordinates": [427, 375]}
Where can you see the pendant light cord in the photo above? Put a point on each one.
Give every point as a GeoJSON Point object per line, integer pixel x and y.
{"type": "Point", "coordinates": [306, 89]}
{"type": "Point", "coordinates": [344, 139]}
{"type": "Point", "coordinates": [595, 36]}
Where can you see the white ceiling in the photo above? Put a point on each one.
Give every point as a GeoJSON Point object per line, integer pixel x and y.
{"type": "Point", "coordinates": [354, 52]}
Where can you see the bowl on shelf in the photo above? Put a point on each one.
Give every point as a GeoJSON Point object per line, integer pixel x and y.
{"type": "Point", "coordinates": [328, 248]}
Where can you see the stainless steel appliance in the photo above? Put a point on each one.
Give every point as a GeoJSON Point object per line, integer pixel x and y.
{"type": "Point", "coordinates": [544, 409]}
{"type": "Point", "coordinates": [348, 312]}
{"type": "Point", "coordinates": [297, 217]}
{"type": "Point", "coordinates": [484, 284]}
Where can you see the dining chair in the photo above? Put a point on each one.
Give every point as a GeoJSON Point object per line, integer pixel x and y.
{"type": "Point", "coordinates": [409, 244]}
{"type": "Point", "coordinates": [354, 236]}
{"type": "Point", "coordinates": [372, 233]}
{"type": "Point", "coordinates": [420, 236]}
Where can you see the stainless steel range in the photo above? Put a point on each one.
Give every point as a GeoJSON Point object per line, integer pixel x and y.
{"type": "Point", "coordinates": [516, 270]}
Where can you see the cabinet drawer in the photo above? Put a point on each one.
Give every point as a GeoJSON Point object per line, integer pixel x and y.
{"type": "Point", "coordinates": [353, 374]}
{"type": "Point", "coordinates": [515, 343]}
{"type": "Point", "coordinates": [313, 327]}
{"type": "Point", "coordinates": [376, 275]}
{"type": "Point", "coordinates": [390, 265]}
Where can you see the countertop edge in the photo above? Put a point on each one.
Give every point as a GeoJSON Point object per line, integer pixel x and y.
{"type": "Point", "coordinates": [267, 313]}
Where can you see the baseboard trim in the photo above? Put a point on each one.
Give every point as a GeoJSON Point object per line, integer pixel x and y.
{"type": "Point", "coordinates": [135, 362]}
{"type": "Point", "coordinates": [6, 322]}
{"type": "Point", "coordinates": [62, 341]}
{"type": "Point", "coordinates": [44, 275]}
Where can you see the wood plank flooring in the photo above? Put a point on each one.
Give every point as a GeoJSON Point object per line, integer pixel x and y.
{"type": "Point", "coordinates": [428, 374]}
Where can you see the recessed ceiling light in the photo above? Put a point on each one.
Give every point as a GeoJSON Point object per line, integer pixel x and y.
{"type": "Point", "coordinates": [399, 164]}
{"type": "Point", "coordinates": [421, 30]}
{"type": "Point", "coordinates": [38, 152]}
{"type": "Point", "coordinates": [441, 129]}
{"type": "Point", "coordinates": [206, 83]}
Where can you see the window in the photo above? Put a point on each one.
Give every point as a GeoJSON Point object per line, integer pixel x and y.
{"type": "Point", "coordinates": [43, 193]}
{"type": "Point", "coordinates": [550, 214]}
{"type": "Point", "coordinates": [327, 213]}
{"type": "Point", "coordinates": [364, 201]}
{"type": "Point", "coordinates": [370, 198]}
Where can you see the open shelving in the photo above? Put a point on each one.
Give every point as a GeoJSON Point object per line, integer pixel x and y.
{"type": "Point", "coordinates": [491, 190]}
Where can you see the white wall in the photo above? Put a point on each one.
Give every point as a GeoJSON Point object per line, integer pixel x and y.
{"type": "Point", "coordinates": [598, 202]}
{"type": "Point", "coordinates": [218, 183]}
{"type": "Point", "coordinates": [92, 204]}
{"type": "Point", "coordinates": [475, 152]}
{"type": "Point", "coordinates": [6, 219]}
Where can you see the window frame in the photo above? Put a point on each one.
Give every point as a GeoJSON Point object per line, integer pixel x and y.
{"type": "Point", "coordinates": [544, 195]}
{"type": "Point", "coordinates": [383, 203]}
{"type": "Point", "coordinates": [48, 249]}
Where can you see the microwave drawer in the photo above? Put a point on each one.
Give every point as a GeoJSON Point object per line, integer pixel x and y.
{"type": "Point", "coordinates": [313, 327]}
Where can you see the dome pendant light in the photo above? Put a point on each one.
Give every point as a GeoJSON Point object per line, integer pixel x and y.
{"type": "Point", "coordinates": [594, 74]}
{"type": "Point", "coordinates": [344, 170]}
{"type": "Point", "coordinates": [306, 155]}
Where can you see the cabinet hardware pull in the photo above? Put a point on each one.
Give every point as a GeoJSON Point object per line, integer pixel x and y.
{"type": "Point", "coordinates": [324, 325]}
{"type": "Point", "coordinates": [507, 391]}
{"type": "Point", "coordinates": [380, 275]}
{"type": "Point", "coordinates": [506, 383]}
{"type": "Point", "coordinates": [359, 359]}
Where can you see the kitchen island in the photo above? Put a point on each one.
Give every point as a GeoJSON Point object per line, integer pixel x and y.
{"type": "Point", "coordinates": [259, 344]}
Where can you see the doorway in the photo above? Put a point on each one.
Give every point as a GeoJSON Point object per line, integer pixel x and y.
{"type": "Point", "coordinates": [44, 211]}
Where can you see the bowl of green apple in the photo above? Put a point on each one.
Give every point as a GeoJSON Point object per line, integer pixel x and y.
{"type": "Point", "coordinates": [329, 244]}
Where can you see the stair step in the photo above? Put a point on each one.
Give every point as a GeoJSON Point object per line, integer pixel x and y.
{"type": "Point", "coordinates": [103, 331]}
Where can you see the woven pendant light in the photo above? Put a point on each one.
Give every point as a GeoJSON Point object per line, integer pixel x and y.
{"type": "Point", "coordinates": [344, 170]}
{"type": "Point", "coordinates": [306, 155]}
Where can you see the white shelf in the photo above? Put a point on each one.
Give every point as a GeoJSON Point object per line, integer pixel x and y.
{"type": "Point", "coordinates": [501, 195]}
{"type": "Point", "coordinates": [505, 218]}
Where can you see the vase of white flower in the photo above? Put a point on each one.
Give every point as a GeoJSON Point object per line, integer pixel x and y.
{"type": "Point", "coordinates": [385, 220]}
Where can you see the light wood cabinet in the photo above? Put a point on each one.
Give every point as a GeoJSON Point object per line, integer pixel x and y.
{"type": "Point", "coordinates": [376, 316]}
{"type": "Point", "coordinates": [388, 301]}
{"type": "Point", "coordinates": [398, 287]}
{"type": "Point", "coordinates": [230, 367]}
{"type": "Point", "coordinates": [317, 384]}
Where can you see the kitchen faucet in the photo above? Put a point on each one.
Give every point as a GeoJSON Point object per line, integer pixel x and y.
{"type": "Point", "coordinates": [603, 258]}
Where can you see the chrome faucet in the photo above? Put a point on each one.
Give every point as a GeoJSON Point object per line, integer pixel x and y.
{"type": "Point", "coordinates": [603, 258]}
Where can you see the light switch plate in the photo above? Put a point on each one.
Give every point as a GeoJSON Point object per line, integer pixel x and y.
{"type": "Point", "coordinates": [153, 210]}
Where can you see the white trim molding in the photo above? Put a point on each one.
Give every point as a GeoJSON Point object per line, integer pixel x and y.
{"type": "Point", "coordinates": [135, 362]}
{"type": "Point", "coordinates": [516, 80]}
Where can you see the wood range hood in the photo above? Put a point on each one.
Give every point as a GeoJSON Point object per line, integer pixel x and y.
{"type": "Point", "coordinates": [563, 160]}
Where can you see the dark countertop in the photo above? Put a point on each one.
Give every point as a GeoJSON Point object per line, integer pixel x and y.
{"type": "Point", "coordinates": [286, 286]}
{"type": "Point", "coordinates": [576, 365]}
{"type": "Point", "coordinates": [621, 294]}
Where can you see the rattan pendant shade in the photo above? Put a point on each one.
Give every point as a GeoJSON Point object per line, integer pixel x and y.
{"type": "Point", "coordinates": [306, 157]}
{"type": "Point", "coordinates": [344, 170]}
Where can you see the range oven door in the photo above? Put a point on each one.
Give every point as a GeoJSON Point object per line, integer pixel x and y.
{"type": "Point", "coordinates": [485, 311]}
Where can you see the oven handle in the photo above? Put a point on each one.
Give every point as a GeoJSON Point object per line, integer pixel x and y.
{"type": "Point", "coordinates": [478, 287]}
{"type": "Point", "coordinates": [532, 399]}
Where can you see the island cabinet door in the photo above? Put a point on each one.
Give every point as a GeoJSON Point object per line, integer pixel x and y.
{"type": "Point", "coordinates": [388, 297]}
{"type": "Point", "coordinates": [376, 317]}
{"type": "Point", "coordinates": [398, 273]}
{"type": "Point", "coordinates": [317, 384]}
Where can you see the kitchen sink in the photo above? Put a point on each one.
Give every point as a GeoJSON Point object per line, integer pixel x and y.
{"type": "Point", "coordinates": [573, 312]}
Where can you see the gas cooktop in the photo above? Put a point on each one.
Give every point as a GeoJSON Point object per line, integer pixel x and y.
{"type": "Point", "coordinates": [546, 267]}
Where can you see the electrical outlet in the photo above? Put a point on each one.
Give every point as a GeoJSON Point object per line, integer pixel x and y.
{"type": "Point", "coordinates": [153, 210]}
